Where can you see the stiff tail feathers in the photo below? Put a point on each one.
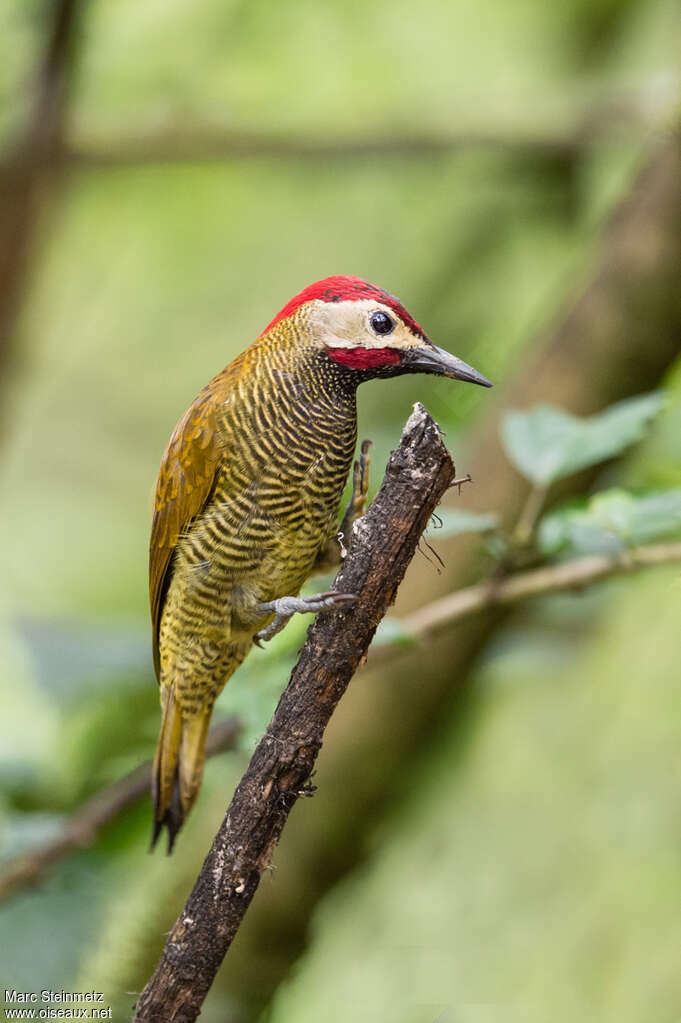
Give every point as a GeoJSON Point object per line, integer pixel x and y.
{"type": "Point", "coordinates": [178, 767]}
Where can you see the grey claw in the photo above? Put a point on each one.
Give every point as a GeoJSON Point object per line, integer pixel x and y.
{"type": "Point", "coordinates": [286, 607]}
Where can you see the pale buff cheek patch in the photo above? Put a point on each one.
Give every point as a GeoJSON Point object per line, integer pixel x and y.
{"type": "Point", "coordinates": [346, 325]}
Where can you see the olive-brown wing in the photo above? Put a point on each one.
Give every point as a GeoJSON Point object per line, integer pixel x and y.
{"type": "Point", "coordinates": [185, 481]}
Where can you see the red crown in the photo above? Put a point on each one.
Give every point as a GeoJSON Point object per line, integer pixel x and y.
{"type": "Point", "coordinates": [342, 289]}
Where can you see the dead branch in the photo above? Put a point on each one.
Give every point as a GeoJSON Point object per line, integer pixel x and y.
{"type": "Point", "coordinates": [617, 335]}
{"type": "Point", "coordinates": [383, 544]}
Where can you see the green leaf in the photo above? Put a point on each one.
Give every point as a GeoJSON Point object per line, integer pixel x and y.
{"type": "Point", "coordinates": [638, 519]}
{"type": "Point", "coordinates": [455, 521]}
{"type": "Point", "coordinates": [611, 521]}
{"type": "Point", "coordinates": [573, 530]}
{"type": "Point", "coordinates": [545, 443]}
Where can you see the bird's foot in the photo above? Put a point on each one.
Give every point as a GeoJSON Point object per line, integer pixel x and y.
{"type": "Point", "coordinates": [360, 490]}
{"type": "Point", "coordinates": [285, 607]}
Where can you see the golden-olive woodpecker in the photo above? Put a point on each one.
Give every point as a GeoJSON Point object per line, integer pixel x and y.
{"type": "Point", "coordinates": [247, 498]}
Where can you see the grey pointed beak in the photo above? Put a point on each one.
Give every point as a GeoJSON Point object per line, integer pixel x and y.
{"type": "Point", "coordinates": [431, 359]}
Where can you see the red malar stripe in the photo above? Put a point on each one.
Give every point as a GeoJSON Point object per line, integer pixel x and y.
{"type": "Point", "coordinates": [363, 358]}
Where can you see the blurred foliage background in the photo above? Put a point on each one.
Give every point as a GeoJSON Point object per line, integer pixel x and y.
{"type": "Point", "coordinates": [171, 174]}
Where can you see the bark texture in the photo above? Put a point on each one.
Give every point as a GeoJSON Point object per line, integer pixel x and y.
{"type": "Point", "coordinates": [383, 544]}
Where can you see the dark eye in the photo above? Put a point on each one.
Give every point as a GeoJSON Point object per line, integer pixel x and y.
{"type": "Point", "coordinates": [381, 323]}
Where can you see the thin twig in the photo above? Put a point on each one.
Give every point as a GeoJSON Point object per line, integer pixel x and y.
{"type": "Point", "coordinates": [568, 575]}
{"type": "Point", "coordinates": [460, 480]}
{"type": "Point", "coordinates": [211, 147]}
{"type": "Point", "coordinates": [82, 827]}
{"type": "Point", "coordinates": [529, 515]}
{"type": "Point", "coordinates": [383, 544]}
{"type": "Point", "coordinates": [617, 121]}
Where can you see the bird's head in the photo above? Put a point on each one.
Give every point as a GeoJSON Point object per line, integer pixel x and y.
{"type": "Point", "coordinates": [369, 332]}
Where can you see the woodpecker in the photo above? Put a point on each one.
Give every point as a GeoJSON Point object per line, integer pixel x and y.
{"type": "Point", "coordinates": [247, 500]}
